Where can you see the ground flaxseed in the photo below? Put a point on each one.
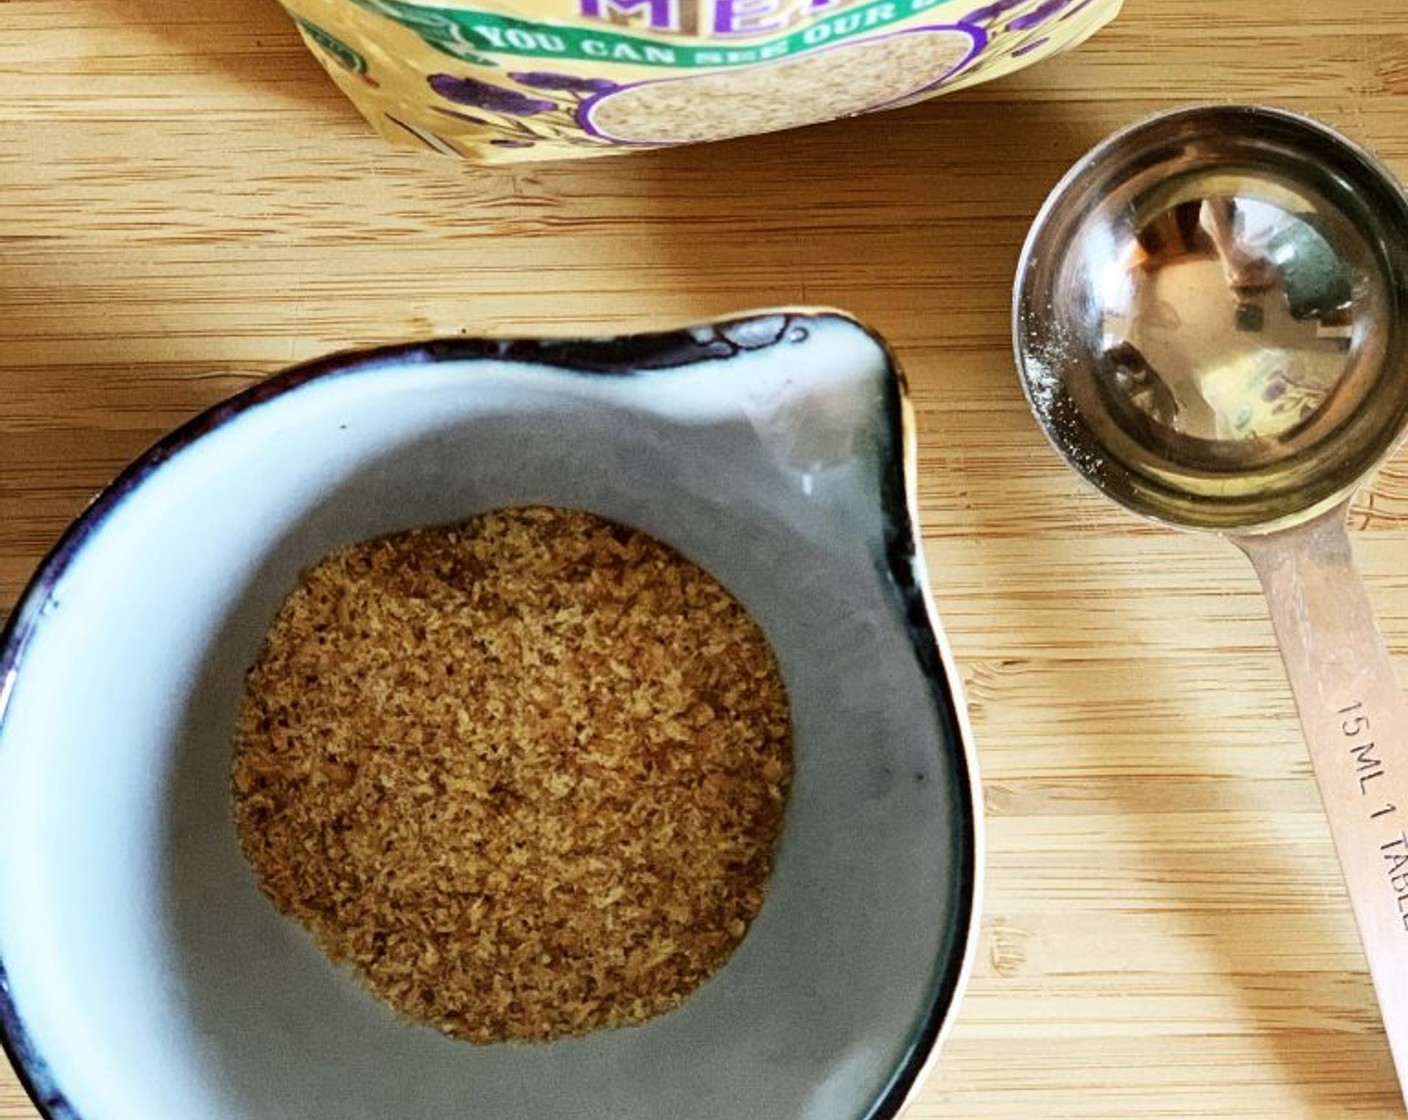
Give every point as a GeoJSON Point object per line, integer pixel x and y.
{"type": "Point", "coordinates": [525, 776]}
{"type": "Point", "coordinates": [714, 106]}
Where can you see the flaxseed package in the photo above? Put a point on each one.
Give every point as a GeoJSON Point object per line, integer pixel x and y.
{"type": "Point", "coordinates": [510, 80]}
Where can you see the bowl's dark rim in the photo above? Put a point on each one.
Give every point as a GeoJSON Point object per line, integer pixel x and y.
{"type": "Point", "coordinates": [621, 356]}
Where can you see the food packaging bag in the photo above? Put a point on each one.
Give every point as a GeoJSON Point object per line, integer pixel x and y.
{"type": "Point", "coordinates": [499, 81]}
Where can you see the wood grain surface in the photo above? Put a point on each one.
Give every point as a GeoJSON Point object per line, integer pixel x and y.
{"type": "Point", "coordinates": [186, 204]}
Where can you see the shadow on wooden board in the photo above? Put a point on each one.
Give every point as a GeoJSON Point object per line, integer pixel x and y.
{"type": "Point", "coordinates": [252, 41]}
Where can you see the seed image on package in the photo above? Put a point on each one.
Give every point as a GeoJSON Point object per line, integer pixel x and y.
{"type": "Point", "coordinates": [512, 80]}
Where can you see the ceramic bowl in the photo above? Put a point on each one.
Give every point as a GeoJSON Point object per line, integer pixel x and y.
{"type": "Point", "coordinates": [143, 976]}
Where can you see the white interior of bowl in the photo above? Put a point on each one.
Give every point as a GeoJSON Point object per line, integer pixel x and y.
{"type": "Point", "coordinates": [155, 982]}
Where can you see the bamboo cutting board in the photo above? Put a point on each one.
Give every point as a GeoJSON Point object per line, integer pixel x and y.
{"type": "Point", "coordinates": [186, 205]}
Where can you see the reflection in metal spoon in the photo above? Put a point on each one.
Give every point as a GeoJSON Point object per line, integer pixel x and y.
{"type": "Point", "coordinates": [1211, 325]}
{"type": "Point", "coordinates": [1229, 320]}
{"type": "Point", "coordinates": [1211, 322]}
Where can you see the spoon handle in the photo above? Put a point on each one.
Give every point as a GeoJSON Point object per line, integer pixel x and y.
{"type": "Point", "coordinates": [1355, 720]}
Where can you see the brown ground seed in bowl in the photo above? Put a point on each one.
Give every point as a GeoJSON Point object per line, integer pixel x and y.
{"type": "Point", "coordinates": [525, 776]}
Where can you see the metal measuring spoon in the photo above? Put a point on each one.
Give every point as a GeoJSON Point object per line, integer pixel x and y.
{"type": "Point", "coordinates": [1211, 322]}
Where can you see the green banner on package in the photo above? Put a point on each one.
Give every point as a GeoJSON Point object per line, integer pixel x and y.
{"type": "Point", "coordinates": [470, 35]}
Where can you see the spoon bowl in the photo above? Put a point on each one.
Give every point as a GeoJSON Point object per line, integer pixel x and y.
{"type": "Point", "coordinates": [1213, 317]}
{"type": "Point", "coordinates": [1211, 324]}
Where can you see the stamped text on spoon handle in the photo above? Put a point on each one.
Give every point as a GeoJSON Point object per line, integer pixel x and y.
{"type": "Point", "coordinates": [1369, 766]}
